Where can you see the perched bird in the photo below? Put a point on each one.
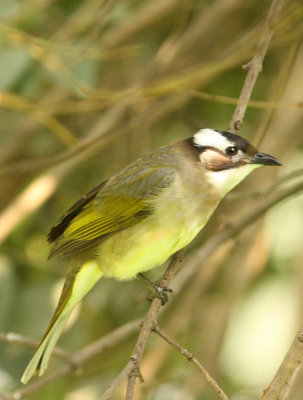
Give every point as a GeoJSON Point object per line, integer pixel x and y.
{"type": "Point", "coordinates": [142, 215]}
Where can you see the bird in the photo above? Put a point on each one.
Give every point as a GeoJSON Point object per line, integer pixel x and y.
{"type": "Point", "coordinates": [138, 218]}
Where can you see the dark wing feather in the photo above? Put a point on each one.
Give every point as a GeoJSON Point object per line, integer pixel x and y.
{"type": "Point", "coordinates": [124, 201]}
{"type": "Point", "coordinates": [72, 212]}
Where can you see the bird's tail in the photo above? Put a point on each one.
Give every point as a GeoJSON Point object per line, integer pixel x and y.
{"type": "Point", "coordinates": [79, 281]}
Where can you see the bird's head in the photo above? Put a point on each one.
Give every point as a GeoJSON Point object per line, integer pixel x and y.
{"type": "Point", "coordinates": [228, 158]}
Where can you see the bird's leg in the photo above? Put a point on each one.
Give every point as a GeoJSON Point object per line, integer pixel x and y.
{"type": "Point", "coordinates": [158, 291]}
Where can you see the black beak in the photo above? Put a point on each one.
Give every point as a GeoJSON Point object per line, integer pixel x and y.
{"type": "Point", "coordinates": [265, 159]}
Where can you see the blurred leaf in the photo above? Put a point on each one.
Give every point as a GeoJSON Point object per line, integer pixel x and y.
{"type": "Point", "coordinates": [13, 62]}
{"type": "Point", "coordinates": [8, 8]}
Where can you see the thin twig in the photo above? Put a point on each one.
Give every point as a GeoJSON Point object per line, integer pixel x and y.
{"type": "Point", "coordinates": [20, 340]}
{"type": "Point", "coordinates": [152, 314]}
{"type": "Point", "coordinates": [254, 67]}
{"type": "Point", "coordinates": [43, 186]}
{"type": "Point", "coordinates": [232, 230]}
{"type": "Point", "coordinates": [197, 75]}
{"type": "Point", "coordinates": [191, 358]}
{"type": "Point", "coordinates": [265, 105]}
{"type": "Point", "coordinates": [286, 178]}
{"type": "Point", "coordinates": [131, 386]}
{"type": "Point", "coordinates": [269, 189]}
{"type": "Point", "coordinates": [106, 342]}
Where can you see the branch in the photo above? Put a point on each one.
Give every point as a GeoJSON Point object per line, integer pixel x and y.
{"type": "Point", "coordinates": [197, 75]}
{"type": "Point", "coordinates": [20, 340]}
{"type": "Point", "coordinates": [97, 347]}
{"type": "Point", "coordinates": [190, 357]}
{"type": "Point", "coordinates": [133, 365]}
{"type": "Point", "coordinates": [268, 190]}
{"type": "Point", "coordinates": [261, 104]}
{"type": "Point", "coordinates": [280, 386]}
{"type": "Point", "coordinates": [15, 102]}
{"type": "Point", "coordinates": [42, 187]}
{"type": "Point", "coordinates": [232, 230]}
{"type": "Point", "coordinates": [254, 67]}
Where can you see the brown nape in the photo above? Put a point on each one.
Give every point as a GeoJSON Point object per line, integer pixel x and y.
{"type": "Point", "coordinates": [190, 146]}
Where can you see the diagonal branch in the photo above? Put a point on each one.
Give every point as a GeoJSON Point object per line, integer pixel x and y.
{"type": "Point", "coordinates": [232, 230]}
{"type": "Point", "coordinates": [20, 340]}
{"type": "Point", "coordinates": [191, 358]}
{"type": "Point", "coordinates": [76, 360]}
{"type": "Point", "coordinates": [133, 364]}
{"type": "Point", "coordinates": [280, 386]}
{"type": "Point", "coordinates": [254, 67]}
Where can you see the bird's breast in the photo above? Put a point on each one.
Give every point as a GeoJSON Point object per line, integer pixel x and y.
{"type": "Point", "coordinates": [177, 218]}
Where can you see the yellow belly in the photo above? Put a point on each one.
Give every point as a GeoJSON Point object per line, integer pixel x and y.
{"type": "Point", "coordinates": [180, 213]}
{"type": "Point", "coordinates": [143, 247]}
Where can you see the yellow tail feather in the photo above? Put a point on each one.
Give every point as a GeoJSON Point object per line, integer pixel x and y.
{"type": "Point", "coordinates": [74, 290]}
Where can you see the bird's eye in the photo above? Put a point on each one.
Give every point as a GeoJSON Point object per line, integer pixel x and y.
{"type": "Point", "coordinates": [231, 151]}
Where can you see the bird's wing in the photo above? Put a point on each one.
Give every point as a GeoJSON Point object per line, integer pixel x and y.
{"type": "Point", "coordinates": [72, 212]}
{"type": "Point", "coordinates": [112, 206]}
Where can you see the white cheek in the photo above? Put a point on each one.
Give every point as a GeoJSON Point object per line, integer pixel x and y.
{"type": "Point", "coordinates": [226, 180]}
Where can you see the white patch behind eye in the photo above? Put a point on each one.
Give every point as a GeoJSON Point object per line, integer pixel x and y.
{"type": "Point", "coordinates": [209, 137]}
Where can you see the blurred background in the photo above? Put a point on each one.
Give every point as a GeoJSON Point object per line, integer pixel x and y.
{"type": "Point", "coordinates": [87, 86]}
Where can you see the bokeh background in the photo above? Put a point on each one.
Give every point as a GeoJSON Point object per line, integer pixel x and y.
{"type": "Point", "coordinates": [87, 86]}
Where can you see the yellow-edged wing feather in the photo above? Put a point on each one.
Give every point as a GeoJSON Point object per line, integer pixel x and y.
{"type": "Point", "coordinates": [119, 203]}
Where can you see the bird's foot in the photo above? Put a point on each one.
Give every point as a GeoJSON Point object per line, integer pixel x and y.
{"type": "Point", "coordinates": [161, 292]}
